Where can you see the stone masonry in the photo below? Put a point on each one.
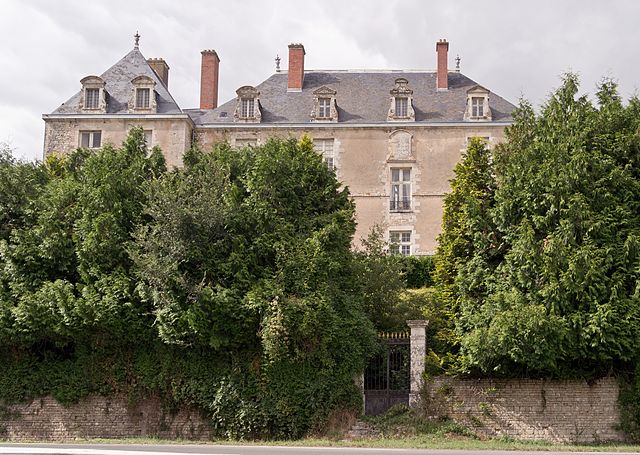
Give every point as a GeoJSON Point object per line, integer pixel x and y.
{"type": "Point", "coordinates": [560, 411]}
{"type": "Point", "coordinates": [99, 417]}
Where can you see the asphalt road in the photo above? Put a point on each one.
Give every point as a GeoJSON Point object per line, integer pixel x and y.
{"type": "Point", "coordinates": [126, 449]}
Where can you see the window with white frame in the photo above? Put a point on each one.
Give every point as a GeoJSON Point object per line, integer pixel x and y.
{"type": "Point", "coordinates": [324, 107]}
{"type": "Point", "coordinates": [90, 139]}
{"type": "Point", "coordinates": [92, 98]}
{"type": "Point", "coordinates": [247, 105]}
{"type": "Point", "coordinates": [400, 189]}
{"type": "Point", "coordinates": [142, 98]}
{"type": "Point", "coordinates": [247, 108]}
{"type": "Point", "coordinates": [325, 148]}
{"type": "Point", "coordinates": [477, 106]}
{"type": "Point", "coordinates": [93, 95]}
{"type": "Point", "coordinates": [400, 242]}
{"type": "Point", "coordinates": [401, 107]}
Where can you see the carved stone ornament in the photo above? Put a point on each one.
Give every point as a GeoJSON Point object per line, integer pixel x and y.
{"type": "Point", "coordinates": [478, 91]}
{"type": "Point", "coordinates": [247, 92]}
{"type": "Point", "coordinates": [93, 82]}
{"type": "Point", "coordinates": [400, 146]}
{"type": "Point", "coordinates": [326, 93]}
{"type": "Point", "coordinates": [401, 90]}
{"type": "Point", "coordinates": [143, 82]}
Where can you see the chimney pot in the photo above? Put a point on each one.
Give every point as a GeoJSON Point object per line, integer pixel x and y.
{"type": "Point", "coordinates": [296, 68]}
{"type": "Point", "coordinates": [209, 79]}
{"type": "Point", "coordinates": [442, 75]}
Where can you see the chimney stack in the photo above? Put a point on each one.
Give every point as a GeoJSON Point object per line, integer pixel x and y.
{"type": "Point", "coordinates": [160, 67]}
{"type": "Point", "coordinates": [296, 68]}
{"type": "Point", "coordinates": [209, 79]}
{"type": "Point", "coordinates": [442, 78]}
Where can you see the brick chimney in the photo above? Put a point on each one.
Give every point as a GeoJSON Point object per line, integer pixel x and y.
{"type": "Point", "coordinates": [442, 78]}
{"type": "Point", "coordinates": [296, 68]}
{"type": "Point", "coordinates": [160, 67]}
{"type": "Point", "coordinates": [209, 79]}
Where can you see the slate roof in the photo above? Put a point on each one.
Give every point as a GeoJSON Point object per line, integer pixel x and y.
{"type": "Point", "coordinates": [362, 97]}
{"type": "Point", "coordinates": [118, 86]}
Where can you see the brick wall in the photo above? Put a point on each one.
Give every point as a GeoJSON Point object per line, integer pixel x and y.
{"type": "Point", "coordinates": [562, 411]}
{"type": "Point", "coordinates": [99, 417]}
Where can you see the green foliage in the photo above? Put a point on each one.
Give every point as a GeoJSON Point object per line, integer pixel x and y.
{"type": "Point", "coordinates": [228, 284]}
{"type": "Point", "coordinates": [417, 270]}
{"type": "Point", "coordinates": [248, 252]}
{"type": "Point", "coordinates": [541, 263]}
{"type": "Point", "coordinates": [381, 282]}
{"type": "Point", "coordinates": [466, 233]}
{"type": "Point", "coordinates": [20, 184]}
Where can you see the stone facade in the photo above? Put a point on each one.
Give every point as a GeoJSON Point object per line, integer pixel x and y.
{"type": "Point", "coordinates": [559, 411]}
{"type": "Point", "coordinates": [99, 417]}
{"type": "Point", "coordinates": [172, 135]}
{"type": "Point", "coordinates": [371, 144]}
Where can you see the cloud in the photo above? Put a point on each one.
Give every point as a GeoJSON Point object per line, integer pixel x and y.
{"type": "Point", "coordinates": [513, 48]}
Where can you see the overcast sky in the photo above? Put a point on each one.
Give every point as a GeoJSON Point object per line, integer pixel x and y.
{"type": "Point", "coordinates": [513, 48]}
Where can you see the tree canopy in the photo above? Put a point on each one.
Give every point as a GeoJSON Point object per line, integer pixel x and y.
{"type": "Point", "coordinates": [228, 283]}
{"type": "Point", "coordinates": [545, 270]}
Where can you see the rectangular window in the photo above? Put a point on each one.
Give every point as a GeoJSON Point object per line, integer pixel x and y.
{"type": "Point", "coordinates": [400, 242]}
{"type": "Point", "coordinates": [142, 98]}
{"type": "Point", "coordinates": [325, 148]}
{"type": "Point", "coordinates": [242, 143]}
{"type": "Point", "coordinates": [148, 135]}
{"type": "Point", "coordinates": [92, 98]}
{"type": "Point", "coordinates": [477, 106]}
{"type": "Point", "coordinates": [401, 107]}
{"type": "Point", "coordinates": [400, 190]}
{"type": "Point", "coordinates": [90, 139]}
{"type": "Point", "coordinates": [247, 108]}
{"type": "Point", "coordinates": [324, 107]}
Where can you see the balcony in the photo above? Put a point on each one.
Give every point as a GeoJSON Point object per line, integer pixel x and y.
{"type": "Point", "coordinates": [400, 205]}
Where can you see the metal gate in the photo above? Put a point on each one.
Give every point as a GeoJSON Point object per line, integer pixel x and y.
{"type": "Point", "coordinates": [386, 379]}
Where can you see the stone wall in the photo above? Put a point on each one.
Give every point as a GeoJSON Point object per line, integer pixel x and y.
{"type": "Point", "coordinates": [99, 417]}
{"type": "Point", "coordinates": [561, 411]}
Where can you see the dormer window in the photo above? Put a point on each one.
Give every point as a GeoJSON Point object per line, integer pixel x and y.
{"type": "Point", "coordinates": [143, 95]}
{"type": "Point", "coordinates": [142, 98]}
{"type": "Point", "coordinates": [93, 95]}
{"type": "Point", "coordinates": [477, 104]}
{"type": "Point", "coordinates": [247, 105]}
{"type": "Point", "coordinates": [401, 106]}
{"type": "Point", "coordinates": [247, 108]}
{"type": "Point", "coordinates": [91, 98]}
{"type": "Point", "coordinates": [325, 108]}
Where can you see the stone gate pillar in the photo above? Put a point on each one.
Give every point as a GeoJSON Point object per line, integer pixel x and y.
{"type": "Point", "coordinates": [418, 352]}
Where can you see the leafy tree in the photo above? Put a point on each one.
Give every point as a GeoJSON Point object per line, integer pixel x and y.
{"type": "Point", "coordinates": [66, 274]}
{"type": "Point", "coordinates": [248, 254]}
{"type": "Point", "coordinates": [467, 234]}
{"type": "Point", "coordinates": [20, 184]}
{"type": "Point", "coordinates": [562, 296]}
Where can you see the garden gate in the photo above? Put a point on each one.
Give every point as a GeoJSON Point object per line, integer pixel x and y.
{"type": "Point", "coordinates": [386, 378]}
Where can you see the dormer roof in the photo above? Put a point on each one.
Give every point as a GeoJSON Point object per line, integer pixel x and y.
{"type": "Point", "coordinates": [362, 98]}
{"type": "Point", "coordinates": [119, 83]}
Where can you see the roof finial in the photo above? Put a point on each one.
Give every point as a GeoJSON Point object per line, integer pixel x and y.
{"type": "Point", "coordinates": [457, 63]}
{"type": "Point", "coordinates": [277, 63]}
{"type": "Point", "coordinates": [137, 40]}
